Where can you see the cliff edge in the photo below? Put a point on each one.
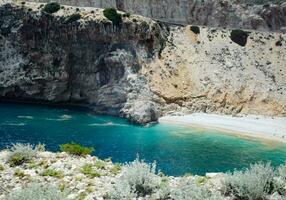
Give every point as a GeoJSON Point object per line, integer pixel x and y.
{"type": "Point", "coordinates": [139, 69]}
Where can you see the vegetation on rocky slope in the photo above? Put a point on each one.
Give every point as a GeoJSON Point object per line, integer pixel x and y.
{"type": "Point", "coordinates": [112, 15]}
{"type": "Point", "coordinates": [47, 175]}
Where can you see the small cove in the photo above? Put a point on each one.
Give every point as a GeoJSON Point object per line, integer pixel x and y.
{"type": "Point", "coordinates": [176, 149]}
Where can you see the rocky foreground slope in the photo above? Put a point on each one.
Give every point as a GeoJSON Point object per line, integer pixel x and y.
{"type": "Point", "coordinates": [139, 69]}
{"type": "Point", "coordinates": [35, 174]}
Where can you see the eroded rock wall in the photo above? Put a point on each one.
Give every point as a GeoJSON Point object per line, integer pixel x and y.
{"type": "Point", "coordinates": [208, 72]}
{"type": "Point", "coordinates": [141, 69]}
{"type": "Point", "coordinates": [86, 62]}
{"type": "Point", "coordinates": [215, 13]}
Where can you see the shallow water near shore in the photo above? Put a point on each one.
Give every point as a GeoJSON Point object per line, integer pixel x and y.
{"type": "Point", "coordinates": [176, 149]}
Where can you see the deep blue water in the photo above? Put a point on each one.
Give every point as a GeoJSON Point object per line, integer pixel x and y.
{"type": "Point", "coordinates": [176, 149]}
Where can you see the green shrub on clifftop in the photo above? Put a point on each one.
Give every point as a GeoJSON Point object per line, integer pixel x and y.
{"type": "Point", "coordinates": [51, 7]}
{"type": "Point", "coordinates": [239, 36]}
{"type": "Point", "coordinates": [112, 15]}
{"type": "Point", "coordinates": [76, 149]}
{"type": "Point", "coordinates": [52, 173]}
{"type": "Point", "coordinates": [89, 171]}
{"type": "Point", "coordinates": [195, 29]}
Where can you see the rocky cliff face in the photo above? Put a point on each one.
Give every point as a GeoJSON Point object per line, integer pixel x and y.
{"type": "Point", "coordinates": [86, 62]}
{"type": "Point", "coordinates": [140, 69]}
{"type": "Point", "coordinates": [212, 72]}
{"type": "Point", "coordinates": [217, 13]}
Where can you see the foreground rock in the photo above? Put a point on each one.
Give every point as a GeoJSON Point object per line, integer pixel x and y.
{"type": "Point", "coordinates": [66, 172]}
{"type": "Point", "coordinates": [89, 178]}
{"type": "Point", "coordinates": [139, 69]}
{"type": "Point", "coordinates": [69, 174]}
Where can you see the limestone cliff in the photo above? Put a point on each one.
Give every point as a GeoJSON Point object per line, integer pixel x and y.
{"type": "Point", "coordinates": [91, 62]}
{"type": "Point", "coordinates": [246, 14]}
{"type": "Point", "coordinates": [209, 72]}
{"type": "Point", "coordinates": [140, 69]}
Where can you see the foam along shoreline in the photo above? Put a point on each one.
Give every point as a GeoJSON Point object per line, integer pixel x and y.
{"type": "Point", "coordinates": [270, 128]}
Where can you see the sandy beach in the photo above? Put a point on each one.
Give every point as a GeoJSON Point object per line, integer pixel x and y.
{"type": "Point", "coordinates": [271, 128]}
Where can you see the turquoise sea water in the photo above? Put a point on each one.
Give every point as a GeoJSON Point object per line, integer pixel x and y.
{"type": "Point", "coordinates": [176, 149]}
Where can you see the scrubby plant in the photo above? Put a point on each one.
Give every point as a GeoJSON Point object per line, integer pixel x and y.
{"type": "Point", "coordinates": [280, 180]}
{"type": "Point", "coordinates": [19, 173]}
{"type": "Point", "coordinates": [51, 7]}
{"type": "Point", "coordinates": [89, 171]}
{"type": "Point", "coordinates": [100, 164]}
{"type": "Point", "coordinates": [195, 29]}
{"type": "Point", "coordinates": [112, 15]}
{"type": "Point", "coordinates": [188, 189]}
{"type": "Point", "coordinates": [188, 174]}
{"type": "Point", "coordinates": [139, 179]}
{"type": "Point", "coordinates": [37, 192]}
{"type": "Point", "coordinates": [40, 147]}
{"type": "Point", "coordinates": [62, 187]}
{"type": "Point", "coordinates": [239, 36]}
{"type": "Point", "coordinates": [21, 153]}
{"type": "Point", "coordinates": [126, 15]}
{"type": "Point", "coordinates": [52, 173]}
{"type": "Point", "coordinates": [1, 167]}
{"type": "Point", "coordinates": [76, 149]}
{"type": "Point", "coordinates": [254, 183]}
{"type": "Point", "coordinates": [72, 18]}
{"type": "Point", "coordinates": [278, 43]}
{"type": "Point", "coordinates": [201, 180]}
{"type": "Point", "coordinates": [82, 196]}
{"type": "Point", "coordinates": [115, 169]}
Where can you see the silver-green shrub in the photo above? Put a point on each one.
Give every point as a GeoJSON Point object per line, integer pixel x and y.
{"type": "Point", "coordinates": [188, 189]}
{"type": "Point", "coordinates": [280, 180]}
{"type": "Point", "coordinates": [139, 179]}
{"type": "Point", "coordinates": [254, 183]}
{"type": "Point", "coordinates": [20, 153]}
{"type": "Point", "coordinates": [37, 192]}
{"type": "Point", "coordinates": [40, 147]}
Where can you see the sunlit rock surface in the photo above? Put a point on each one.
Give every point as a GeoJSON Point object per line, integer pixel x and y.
{"type": "Point", "coordinates": [141, 69]}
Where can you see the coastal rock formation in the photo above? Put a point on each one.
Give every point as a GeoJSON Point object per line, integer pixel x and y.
{"type": "Point", "coordinates": [140, 69]}
{"type": "Point", "coordinates": [91, 62]}
{"type": "Point", "coordinates": [246, 14]}
{"type": "Point", "coordinates": [211, 71]}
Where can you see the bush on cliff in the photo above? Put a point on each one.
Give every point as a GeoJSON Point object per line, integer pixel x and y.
{"type": "Point", "coordinates": [51, 7]}
{"type": "Point", "coordinates": [254, 183]}
{"type": "Point", "coordinates": [76, 149]}
{"type": "Point", "coordinates": [187, 189]}
{"type": "Point", "coordinates": [112, 15]}
{"type": "Point", "coordinates": [21, 153]}
{"type": "Point", "coordinates": [280, 180]}
{"type": "Point", "coordinates": [239, 36]}
{"type": "Point", "coordinates": [72, 18]}
{"type": "Point", "coordinates": [37, 192]}
{"type": "Point", "coordinates": [139, 179]}
{"type": "Point", "coordinates": [195, 29]}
